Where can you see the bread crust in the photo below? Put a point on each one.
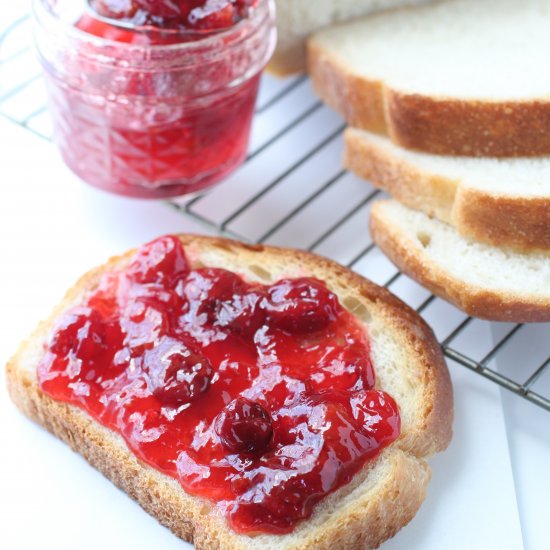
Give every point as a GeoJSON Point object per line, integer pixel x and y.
{"type": "Point", "coordinates": [437, 125]}
{"type": "Point", "coordinates": [287, 61]}
{"type": "Point", "coordinates": [516, 222]}
{"type": "Point", "coordinates": [362, 519]}
{"type": "Point", "coordinates": [410, 258]}
{"type": "Point", "coordinates": [359, 100]}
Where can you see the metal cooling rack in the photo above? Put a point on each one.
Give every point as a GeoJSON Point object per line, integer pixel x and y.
{"type": "Point", "coordinates": [278, 197]}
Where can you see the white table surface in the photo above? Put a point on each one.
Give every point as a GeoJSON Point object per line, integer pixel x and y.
{"type": "Point", "coordinates": [490, 489]}
{"type": "Point", "coordinates": [52, 229]}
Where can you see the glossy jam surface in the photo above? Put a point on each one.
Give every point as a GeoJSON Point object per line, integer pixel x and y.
{"type": "Point", "coordinates": [259, 398]}
{"type": "Point", "coordinates": [177, 126]}
{"type": "Point", "coordinates": [179, 15]}
{"type": "Point", "coordinates": [131, 150]}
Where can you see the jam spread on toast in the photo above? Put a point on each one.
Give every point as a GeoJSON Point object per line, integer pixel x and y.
{"type": "Point", "coordinates": [259, 398]}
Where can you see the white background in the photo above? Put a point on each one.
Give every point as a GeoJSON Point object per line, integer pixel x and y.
{"type": "Point", "coordinates": [491, 489]}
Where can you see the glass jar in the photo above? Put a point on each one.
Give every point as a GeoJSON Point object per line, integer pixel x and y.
{"type": "Point", "coordinates": [155, 119]}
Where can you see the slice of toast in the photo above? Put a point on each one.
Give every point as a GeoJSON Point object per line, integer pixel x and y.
{"type": "Point", "coordinates": [297, 19]}
{"type": "Point", "coordinates": [485, 281]}
{"type": "Point", "coordinates": [378, 501]}
{"type": "Point", "coordinates": [459, 77]}
{"type": "Point", "coordinates": [502, 202]}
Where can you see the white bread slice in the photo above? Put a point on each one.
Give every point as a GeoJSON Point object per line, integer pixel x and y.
{"type": "Point", "coordinates": [297, 19]}
{"type": "Point", "coordinates": [484, 281]}
{"type": "Point", "coordinates": [460, 77]}
{"type": "Point", "coordinates": [502, 202]}
{"type": "Point", "coordinates": [380, 500]}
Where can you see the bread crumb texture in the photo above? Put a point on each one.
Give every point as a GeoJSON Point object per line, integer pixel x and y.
{"type": "Point", "coordinates": [378, 502]}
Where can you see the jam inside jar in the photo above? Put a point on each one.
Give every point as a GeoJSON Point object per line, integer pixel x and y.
{"type": "Point", "coordinates": [146, 106]}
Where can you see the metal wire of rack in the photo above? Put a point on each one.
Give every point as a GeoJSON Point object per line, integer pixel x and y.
{"type": "Point", "coordinates": [277, 197]}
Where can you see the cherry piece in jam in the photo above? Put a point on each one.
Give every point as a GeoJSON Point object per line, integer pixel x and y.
{"type": "Point", "coordinates": [169, 9]}
{"type": "Point", "coordinates": [223, 299]}
{"type": "Point", "coordinates": [241, 313]}
{"type": "Point", "coordinates": [376, 413]}
{"type": "Point", "coordinates": [114, 9]}
{"type": "Point", "coordinates": [258, 398]}
{"type": "Point", "coordinates": [214, 15]}
{"type": "Point", "coordinates": [244, 427]}
{"type": "Point", "coordinates": [80, 333]}
{"type": "Point", "coordinates": [161, 261]}
{"type": "Point", "coordinates": [180, 375]}
{"type": "Point", "coordinates": [344, 368]}
{"type": "Point", "coordinates": [300, 305]}
{"type": "Point", "coordinates": [207, 288]}
{"type": "Point", "coordinates": [197, 15]}
{"type": "Point", "coordinates": [147, 316]}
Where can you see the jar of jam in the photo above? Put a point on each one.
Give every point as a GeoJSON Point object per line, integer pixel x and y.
{"type": "Point", "coordinates": [153, 98]}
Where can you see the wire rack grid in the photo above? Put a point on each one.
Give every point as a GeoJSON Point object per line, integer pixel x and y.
{"type": "Point", "coordinates": [292, 191]}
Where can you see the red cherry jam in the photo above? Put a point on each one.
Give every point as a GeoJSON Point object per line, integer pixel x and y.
{"type": "Point", "coordinates": [155, 98]}
{"type": "Point", "coordinates": [258, 398]}
{"type": "Point", "coordinates": [197, 15]}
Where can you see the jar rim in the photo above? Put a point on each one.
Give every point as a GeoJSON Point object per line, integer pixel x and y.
{"type": "Point", "coordinates": [264, 9]}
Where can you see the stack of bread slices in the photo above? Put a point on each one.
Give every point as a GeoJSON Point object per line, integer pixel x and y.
{"type": "Point", "coordinates": [449, 111]}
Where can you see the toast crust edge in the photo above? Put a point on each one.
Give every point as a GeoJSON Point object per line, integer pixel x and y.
{"type": "Point", "coordinates": [437, 125]}
{"type": "Point", "coordinates": [475, 301]}
{"type": "Point", "coordinates": [515, 222]}
{"type": "Point", "coordinates": [190, 518]}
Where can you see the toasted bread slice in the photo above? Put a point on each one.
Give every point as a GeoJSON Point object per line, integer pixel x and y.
{"type": "Point", "coordinates": [502, 202]}
{"type": "Point", "coordinates": [380, 500]}
{"type": "Point", "coordinates": [485, 281]}
{"type": "Point", "coordinates": [460, 77]}
{"type": "Point", "coordinates": [297, 19]}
